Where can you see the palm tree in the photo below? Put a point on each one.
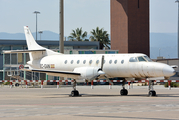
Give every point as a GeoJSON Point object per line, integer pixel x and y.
{"type": "Point", "coordinates": [78, 35]}
{"type": "Point", "coordinates": [102, 36]}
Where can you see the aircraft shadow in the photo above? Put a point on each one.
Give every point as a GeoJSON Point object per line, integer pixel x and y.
{"type": "Point", "coordinates": [168, 95]}
{"type": "Point", "coordinates": [124, 117]}
{"type": "Point", "coordinates": [107, 95]}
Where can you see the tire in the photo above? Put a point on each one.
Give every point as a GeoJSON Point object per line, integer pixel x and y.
{"type": "Point", "coordinates": [152, 93]}
{"type": "Point", "coordinates": [124, 92]}
{"type": "Point", "coordinates": [74, 93]}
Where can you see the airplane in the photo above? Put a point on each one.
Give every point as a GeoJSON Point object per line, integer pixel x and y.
{"type": "Point", "coordinates": [129, 67]}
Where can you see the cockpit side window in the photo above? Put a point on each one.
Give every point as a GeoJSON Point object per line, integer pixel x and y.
{"type": "Point", "coordinates": [148, 59]}
{"type": "Point", "coordinates": [141, 59]}
{"type": "Point", "coordinates": [133, 59]}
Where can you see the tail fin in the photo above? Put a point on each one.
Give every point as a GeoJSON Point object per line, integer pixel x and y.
{"type": "Point", "coordinates": [32, 45]}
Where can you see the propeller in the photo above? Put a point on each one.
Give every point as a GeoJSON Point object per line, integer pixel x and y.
{"type": "Point", "coordinates": [100, 72]}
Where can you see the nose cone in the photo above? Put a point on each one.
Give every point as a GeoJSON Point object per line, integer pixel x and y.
{"type": "Point", "coordinates": [168, 71]}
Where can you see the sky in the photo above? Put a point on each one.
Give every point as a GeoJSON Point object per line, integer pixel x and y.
{"type": "Point", "coordinates": [88, 14]}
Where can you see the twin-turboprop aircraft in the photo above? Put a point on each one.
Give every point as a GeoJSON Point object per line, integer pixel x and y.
{"type": "Point", "coordinates": [91, 67]}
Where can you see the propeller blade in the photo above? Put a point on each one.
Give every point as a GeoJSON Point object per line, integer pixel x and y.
{"type": "Point", "coordinates": [93, 78]}
{"type": "Point", "coordinates": [102, 63]}
{"type": "Point", "coordinates": [109, 80]}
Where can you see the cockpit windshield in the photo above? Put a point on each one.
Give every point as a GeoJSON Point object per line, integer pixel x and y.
{"type": "Point", "coordinates": [141, 59]}
{"type": "Point", "coordinates": [147, 58]}
{"type": "Point", "coordinates": [133, 59]}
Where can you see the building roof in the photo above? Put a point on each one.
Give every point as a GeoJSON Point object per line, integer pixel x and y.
{"type": "Point", "coordinates": [50, 42]}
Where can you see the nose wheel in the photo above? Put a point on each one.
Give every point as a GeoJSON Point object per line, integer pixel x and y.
{"type": "Point", "coordinates": [151, 91]}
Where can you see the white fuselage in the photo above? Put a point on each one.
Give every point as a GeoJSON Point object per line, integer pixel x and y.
{"type": "Point", "coordinates": [115, 65]}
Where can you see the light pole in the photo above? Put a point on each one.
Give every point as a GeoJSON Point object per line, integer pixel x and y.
{"type": "Point", "coordinates": [61, 29]}
{"type": "Point", "coordinates": [36, 12]}
{"type": "Point", "coordinates": [159, 52]}
{"type": "Point", "coordinates": [40, 32]}
{"type": "Point", "coordinates": [177, 1]}
{"type": "Point", "coordinates": [61, 25]}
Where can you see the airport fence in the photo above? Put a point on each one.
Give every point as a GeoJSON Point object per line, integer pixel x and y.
{"type": "Point", "coordinates": [67, 82]}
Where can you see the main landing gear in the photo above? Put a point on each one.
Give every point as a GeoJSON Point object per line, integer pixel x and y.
{"type": "Point", "coordinates": [151, 91]}
{"type": "Point", "coordinates": [74, 92]}
{"type": "Point", "coordinates": [123, 91]}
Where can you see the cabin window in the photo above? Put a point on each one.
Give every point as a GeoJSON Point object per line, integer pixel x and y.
{"type": "Point", "coordinates": [141, 59]}
{"type": "Point", "coordinates": [71, 61]}
{"type": "Point", "coordinates": [110, 61]}
{"type": "Point", "coordinates": [84, 62]}
{"type": "Point", "coordinates": [97, 61]}
{"type": "Point", "coordinates": [148, 59]}
{"type": "Point", "coordinates": [104, 61]}
{"type": "Point", "coordinates": [122, 61]}
{"type": "Point", "coordinates": [115, 62]}
{"type": "Point", "coordinates": [133, 59]}
{"type": "Point", "coordinates": [90, 62]}
{"type": "Point", "coordinates": [65, 62]}
{"type": "Point", "coordinates": [78, 61]}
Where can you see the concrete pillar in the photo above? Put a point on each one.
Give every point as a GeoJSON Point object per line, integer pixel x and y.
{"type": "Point", "coordinates": [169, 84]}
{"type": "Point", "coordinates": [58, 85]}
{"type": "Point", "coordinates": [26, 83]}
{"type": "Point", "coordinates": [42, 84]}
{"type": "Point", "coordinates": [92, 85]}
{"type": "Point", "coordinates": [110, 86]}
{"type": "Point", "coordinates": [66, 81]}
{"type": "Point", "coordinates": [129, 85]}
{"type": "Point", "coordinates": [10, 84]}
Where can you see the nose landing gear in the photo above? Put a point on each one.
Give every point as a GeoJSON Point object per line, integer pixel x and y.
{"type": "Point", "coordinates": [151, 91]}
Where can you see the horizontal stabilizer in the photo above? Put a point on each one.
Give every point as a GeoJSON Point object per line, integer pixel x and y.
{"type": "Point", "coordinates": [22, 51]}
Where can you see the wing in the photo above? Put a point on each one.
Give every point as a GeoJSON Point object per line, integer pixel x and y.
{"type": "Point", "coordinates": [55, 73]}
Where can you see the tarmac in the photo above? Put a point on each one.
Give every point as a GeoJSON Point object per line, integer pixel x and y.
{"type": "Point", "coordinates": [100, 103]}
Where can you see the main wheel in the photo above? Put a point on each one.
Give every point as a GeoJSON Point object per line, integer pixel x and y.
{"type": "Point", "coordinates": [123, 92]}
{"type": "Point", "coordinates": [152, 93]}
{"type": "Point", "coordinates": [74, 93]}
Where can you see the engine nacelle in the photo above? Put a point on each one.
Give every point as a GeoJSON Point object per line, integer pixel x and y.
{"type": "Point", "coordinates": [87, 72]}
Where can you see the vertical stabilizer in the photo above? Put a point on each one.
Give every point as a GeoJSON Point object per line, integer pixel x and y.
{"type": "Point", "coordinates": [32, 45]}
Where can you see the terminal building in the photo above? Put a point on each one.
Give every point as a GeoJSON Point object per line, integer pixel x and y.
{"type": "Point", "coordinates": [10, 63]}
